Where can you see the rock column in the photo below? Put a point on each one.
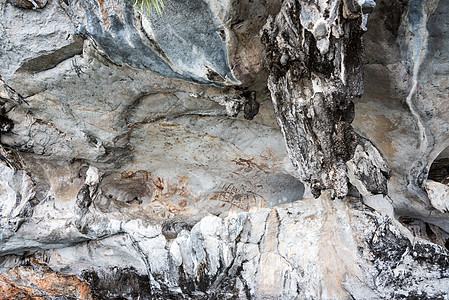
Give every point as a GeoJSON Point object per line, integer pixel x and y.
{"type": "Point", "coordinates": [314, 56]}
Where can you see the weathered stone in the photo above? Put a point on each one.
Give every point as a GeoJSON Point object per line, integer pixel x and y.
{"type": "Point", "coordinates": [312, 93]}
{"type": "Point", "coordinates": [338, 245]}
{"type": "Point", "coordinates": [438, 195]}
{"type": "Point", "coordinates": [29, 4]}
{"type": "Point", "coordinates": [35, 281]}
{"type": "Point", "coordinates": [141, 153]}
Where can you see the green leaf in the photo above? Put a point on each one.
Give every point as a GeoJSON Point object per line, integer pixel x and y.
{"type": "Point", "coordinates": [148, 5]}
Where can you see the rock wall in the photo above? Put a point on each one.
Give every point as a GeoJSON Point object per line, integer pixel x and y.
{"type": "Point", "coordinates": [226, 150]}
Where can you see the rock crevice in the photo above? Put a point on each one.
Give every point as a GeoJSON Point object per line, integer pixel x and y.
{"type": "Point", "coordinates": [226, 150]}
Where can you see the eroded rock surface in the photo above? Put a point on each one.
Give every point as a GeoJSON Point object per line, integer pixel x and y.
{"type": "Point", "coordinates": [314, 54]}
{"type": "Point", "coordinates": [344, 250]}
{"type": "Point", "coordinates": [142, 157]}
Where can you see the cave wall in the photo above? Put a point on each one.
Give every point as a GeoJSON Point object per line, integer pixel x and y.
{"type": "Point", "coordinates": [224, 150]}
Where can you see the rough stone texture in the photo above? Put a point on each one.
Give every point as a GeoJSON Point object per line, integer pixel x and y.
{"type": "Point", "coordinates": [403, 110]}
{"type": "Point", "coordinates": [141, 158]}
{"type": "Point", "coordinates": [438, 195]}
{"type": "Point", "coordinates": [33, 280]}
{"type": "Point", "coordinates": [314, 57]}
{"type": "Point", "coordinates": [315, 249]}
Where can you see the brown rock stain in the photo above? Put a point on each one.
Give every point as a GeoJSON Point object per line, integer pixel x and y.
{"type": "Point", "coordinates": [104, 14]}
{"type": "Point", "coordinates": [40, 282]}
{"type": "Point", "coordinates": [169, 197]}
{"type": "Point", "coordinates": [383, 132]}
{"type": "Point", "coordinates": [162, 191]}
{"type": "Point", "coordinates": [337, 255]}
{"type": "Point", "coordinates": [237, 197]}
{"type": "Point", "coordinates": [310, 218]}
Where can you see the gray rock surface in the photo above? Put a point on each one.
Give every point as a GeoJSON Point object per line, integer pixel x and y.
{"type": "Point", "coordinates": [144, 155]}
{"type": "Point", "coordinates": [314, 55]}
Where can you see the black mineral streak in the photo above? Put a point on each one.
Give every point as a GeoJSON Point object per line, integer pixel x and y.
{"type": "Point", "coordinates": [115, 283]}
{"type": "Point", "coordinates": [317, 128]}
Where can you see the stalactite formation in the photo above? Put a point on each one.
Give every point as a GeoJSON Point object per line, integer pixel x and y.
{"type": "Point", "coordinates": [228, 149]}
{"type": "Point", "coordinates": [315, 60]}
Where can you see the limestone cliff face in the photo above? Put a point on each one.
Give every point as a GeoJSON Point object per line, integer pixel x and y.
{"type": "Point", "coordinates": [226, 150]}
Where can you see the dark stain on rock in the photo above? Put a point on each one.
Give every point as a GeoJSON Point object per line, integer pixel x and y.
{"type": "Point", "coordinates": [251, 106]}
{"type": "Point", "coordinates": [186, 284]}
{"type": "Point", "coordinates": [390, 249]}
{"type": "Point", "coordinates": [357, 9]}
{"type": "Point", "coordinates": [212, 75]}
{"type": "Point", "coordinates": [439, 171]}
{"type": "Point", "coordinates": [202, 279]}
{"type": "Point", "coordinates": [171, 228]}
{"type": "Point", "coordinates": [115, 283]}
{"type": "Point", "coordinates": [391, 13]}
{"type": "Point", "coordinates": [318, 62]}
{"type": "Point", "coordinates": [6, 124]}
{"type": "Point", "coordinates": [316, 123]}
{"type": "Point", "coordinates": [353, 52]}
{"type": "Point", "coordinates": [29, 4]}
{"type": "Point", "coordinates": [83, 200]}
{"type": "Point", "coordinates": [51, 60]}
